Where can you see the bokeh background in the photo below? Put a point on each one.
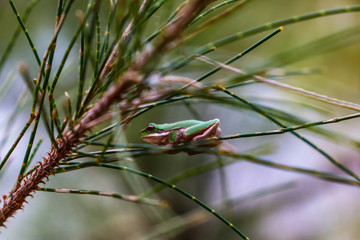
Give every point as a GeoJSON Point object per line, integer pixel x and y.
{"type": "Point", "coordinates": [303, 207]}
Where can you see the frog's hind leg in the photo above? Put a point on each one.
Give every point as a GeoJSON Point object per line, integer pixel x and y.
{"type": "Point", "coordinates": [212, 131]}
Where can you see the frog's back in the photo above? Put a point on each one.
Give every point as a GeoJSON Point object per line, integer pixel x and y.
{"type": "Point", "coordinates": [185, 123]}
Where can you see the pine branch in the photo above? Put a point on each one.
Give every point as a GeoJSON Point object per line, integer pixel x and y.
{"type": "Point", "coordinates": [71, 136]}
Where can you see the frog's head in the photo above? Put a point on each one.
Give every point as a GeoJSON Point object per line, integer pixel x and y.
{"type": "Point", "coordinates": [154, 135]}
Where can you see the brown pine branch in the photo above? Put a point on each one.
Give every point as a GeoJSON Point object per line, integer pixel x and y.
{"type": "Point", "coordinates": [64, 146]}
{"type": "Point", "coordinates": [116, 93]}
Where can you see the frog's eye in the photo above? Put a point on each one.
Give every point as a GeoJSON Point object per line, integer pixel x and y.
{"type": "Point", "coordinates": [150, 128]}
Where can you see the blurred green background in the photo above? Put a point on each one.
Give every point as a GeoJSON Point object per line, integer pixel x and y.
{"type": "Point", "coordinates": [310, 209]}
